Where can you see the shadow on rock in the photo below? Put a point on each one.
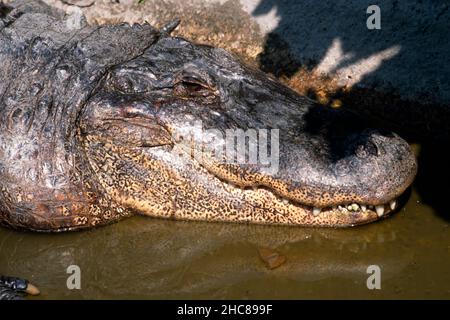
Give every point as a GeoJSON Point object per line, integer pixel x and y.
{"type": "Point", "coordinates": [419, 106]}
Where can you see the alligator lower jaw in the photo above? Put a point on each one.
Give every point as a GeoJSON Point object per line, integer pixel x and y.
{"type": "Point", "coordinates": [344, 215]}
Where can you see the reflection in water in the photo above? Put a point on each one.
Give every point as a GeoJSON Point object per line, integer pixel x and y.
{"type": "Point", "coordinates": [149, 258]}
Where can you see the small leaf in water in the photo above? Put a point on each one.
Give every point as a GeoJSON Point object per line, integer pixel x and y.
{"type": "Point", "coordinates": [271, 258]}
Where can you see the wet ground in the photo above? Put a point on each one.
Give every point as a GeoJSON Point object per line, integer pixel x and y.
{"type": "Point", "coordinates": [149, 258]}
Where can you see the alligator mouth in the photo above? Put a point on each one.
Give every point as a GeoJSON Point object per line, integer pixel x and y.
{"type": "Point", "coordinates": [304, 203]}
{"type": "Point", "coordinates": [342, 215]}
{"type": "Point", "coordinates": [194, 191]}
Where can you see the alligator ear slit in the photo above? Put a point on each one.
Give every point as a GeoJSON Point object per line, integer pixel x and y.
{"type": "Point", "coordinates": [168, 28]}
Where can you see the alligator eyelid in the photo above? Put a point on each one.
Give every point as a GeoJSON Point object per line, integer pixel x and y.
{"type": "Point", "coordinates": [191, 81]}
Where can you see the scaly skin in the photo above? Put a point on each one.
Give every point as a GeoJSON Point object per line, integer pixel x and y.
{"type": "Point", "coordinates": [89, 119]}
{"type": "Point", "coordinates": [90, 122]}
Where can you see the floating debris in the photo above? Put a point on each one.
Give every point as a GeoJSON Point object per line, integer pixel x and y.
{"type": "Point", "coordinates": [271, 258]}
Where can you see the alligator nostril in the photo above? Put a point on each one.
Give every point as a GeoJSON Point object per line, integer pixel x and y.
{"type": "Point", "coordinates": [369, 148]}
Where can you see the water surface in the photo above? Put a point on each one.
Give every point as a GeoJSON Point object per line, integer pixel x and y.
{"type": "Point", "coordinates": [144, 258]}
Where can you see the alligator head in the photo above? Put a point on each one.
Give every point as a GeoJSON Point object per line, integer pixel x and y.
{"type": "Point", "coordinates": [99, 123]}
{"type": "Point", "coordinates": [157, 134]}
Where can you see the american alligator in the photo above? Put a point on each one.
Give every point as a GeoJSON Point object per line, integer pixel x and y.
{"type": "Point", "coordinates": [92, 119]}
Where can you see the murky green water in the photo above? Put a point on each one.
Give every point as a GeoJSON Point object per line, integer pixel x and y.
{"type": "Point", "coordinates": [149, 258]}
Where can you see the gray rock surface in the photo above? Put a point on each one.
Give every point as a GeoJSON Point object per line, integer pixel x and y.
{"type": "Point", "coordinates": [409, 53]}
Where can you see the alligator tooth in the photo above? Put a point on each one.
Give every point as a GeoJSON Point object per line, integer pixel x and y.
{"type": "Point", "coordinates": [363, 208]}
{"type": "Point", "coordinates": [380, 210]}
{"type": "Point", "coordinates": [355, 207]}
{"type": "Point", "coordinates": [350, 208]}
{"type": "Point", "coordinates": [316, 211]}
{"type": "Point", "coordinates": [285, 201]}
{"type": "Point", "coordinates": [393, 204]}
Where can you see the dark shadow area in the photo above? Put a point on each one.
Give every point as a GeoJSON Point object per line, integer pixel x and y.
{"type": "Point", "coordinates": [409, 93]}
{"type": "Point", "coordinates": [4, 10]}
{"type": "Point", "coordinates": [418, 29]}
{"type": "Point", "coordinates": [342, 132]}
{"type": "Point", "coordinates": [432, 182]}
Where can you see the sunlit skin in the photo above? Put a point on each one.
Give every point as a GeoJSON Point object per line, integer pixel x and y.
{"type": "Point", "coordinates": [88, 135]}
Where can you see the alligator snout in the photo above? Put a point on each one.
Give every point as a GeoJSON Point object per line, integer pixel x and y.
{"type": "Point", "coordinates": [329, 159]}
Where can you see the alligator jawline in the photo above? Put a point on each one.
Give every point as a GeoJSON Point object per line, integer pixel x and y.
{"type": "Point", "coordinates": [348, 208]}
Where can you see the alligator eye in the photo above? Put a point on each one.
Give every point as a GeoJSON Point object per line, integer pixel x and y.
{"type": "Point", "coordinates": [192, 88]}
